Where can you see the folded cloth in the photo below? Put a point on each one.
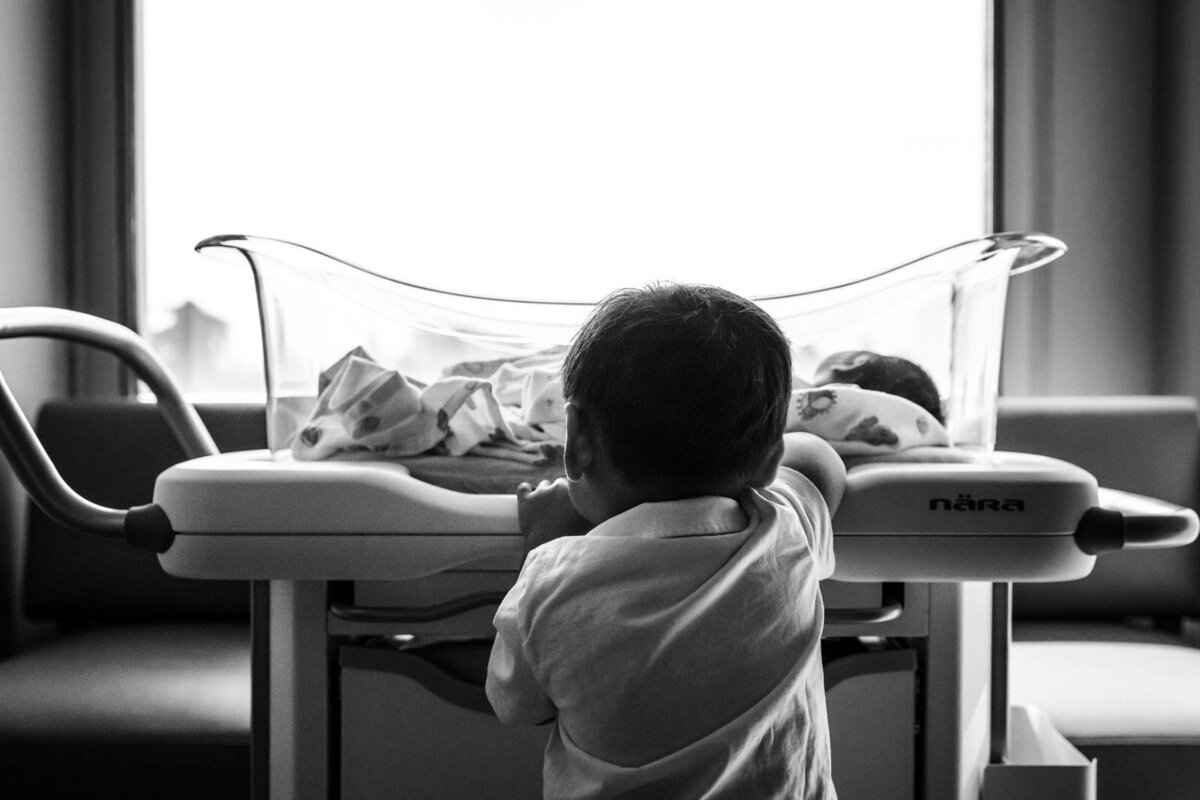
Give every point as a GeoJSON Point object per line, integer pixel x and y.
{"type": "Point", "coordinates": [366, 410]}
{"type": "Point", "coordinates": [858, 421]}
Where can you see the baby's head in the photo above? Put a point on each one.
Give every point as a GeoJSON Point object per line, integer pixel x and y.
{"type": "Point", "coordinates": [686, 386]}
{"type": "Point", "coordinates": [889, 374]}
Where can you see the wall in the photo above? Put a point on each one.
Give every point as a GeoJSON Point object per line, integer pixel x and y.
{"type": "Point", "coordinates": [32, 234]}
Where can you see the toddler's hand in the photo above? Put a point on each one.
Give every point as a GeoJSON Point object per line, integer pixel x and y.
{"type": "Point", "coordinates": [547, 513]}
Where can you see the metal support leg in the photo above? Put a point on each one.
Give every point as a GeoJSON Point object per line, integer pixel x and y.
{"type": "Point", "coordinates": [1001, 642]}
{"type": "Point", "coordinates": [260, 690]}
{"type": "Point", "coordinates": [300, 761]}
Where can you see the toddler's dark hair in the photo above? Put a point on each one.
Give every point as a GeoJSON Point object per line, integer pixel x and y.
{"type": "Point", "coordinates": [689, 384]}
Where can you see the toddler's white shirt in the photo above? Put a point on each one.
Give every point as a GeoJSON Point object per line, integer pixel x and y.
{"type": "Point", "coordinates": [677, 647]}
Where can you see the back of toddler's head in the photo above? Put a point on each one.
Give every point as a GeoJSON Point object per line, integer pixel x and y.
{"type": "Point", "coordinates": [689, 383]}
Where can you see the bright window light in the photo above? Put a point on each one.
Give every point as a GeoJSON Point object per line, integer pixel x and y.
{"type": "Point", "coordinates": [551, 150]}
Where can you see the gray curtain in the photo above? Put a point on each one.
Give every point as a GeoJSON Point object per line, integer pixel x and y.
{"type": "Point", "coordinates": [1098, 143]}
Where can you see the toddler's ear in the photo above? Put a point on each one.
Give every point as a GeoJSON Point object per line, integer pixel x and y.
{"type": "Point", "coordinates": [770, 466]}
{"type": "Point", "coordinates": [580, 445]}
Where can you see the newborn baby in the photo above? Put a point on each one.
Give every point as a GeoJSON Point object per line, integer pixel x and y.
{"type": "Point", "coordinates": [889, 374]}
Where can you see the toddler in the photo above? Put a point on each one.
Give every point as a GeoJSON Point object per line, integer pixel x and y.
{"type": "Point", "coordinates": [675, 645]}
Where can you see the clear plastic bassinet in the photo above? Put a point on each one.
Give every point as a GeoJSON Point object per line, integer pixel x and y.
{"type": "Point", "coordinates": [944, 311]}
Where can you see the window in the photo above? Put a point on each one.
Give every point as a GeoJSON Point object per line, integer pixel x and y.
{"type": "Point", "coordinates": [550, 149]}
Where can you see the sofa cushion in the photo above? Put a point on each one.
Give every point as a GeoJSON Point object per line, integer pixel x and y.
{"type": "Point", "coordinates": [1111, 693]}
{"type": "Point", "coordinates": [157, 683]}
{"type": "Point", "coordinates": [1144, 444]}
{"type": "Point", "coordinates": [111, 452]}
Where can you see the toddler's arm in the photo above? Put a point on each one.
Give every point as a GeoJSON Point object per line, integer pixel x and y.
{"type": "Point", "coordinates": [547, 513]}
{"type": "Point", "coordinates": [514, 692]}
{"type": "Point", "coordinates": [815, 459]}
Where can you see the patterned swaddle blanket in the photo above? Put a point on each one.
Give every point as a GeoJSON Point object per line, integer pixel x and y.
{"type": "Point", "coordinates": [514, 409]}
{"type": "Point", "coordinates": [860, 422]}
{"type": "Point", "coordinates": [365, 410]}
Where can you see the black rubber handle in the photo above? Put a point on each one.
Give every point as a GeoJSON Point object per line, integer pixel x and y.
{"type": "Point", "coordinates": [1127, 521]}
